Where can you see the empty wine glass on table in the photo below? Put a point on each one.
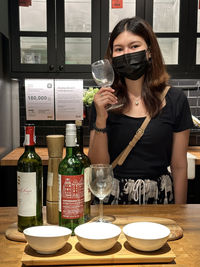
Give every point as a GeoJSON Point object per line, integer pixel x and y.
{"type": "Point", "coordinates": [100, 184]}
{"type": "Point", "coordinates": [103, 75]}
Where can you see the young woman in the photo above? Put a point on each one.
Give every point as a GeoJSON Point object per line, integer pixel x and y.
{"type": "Point", "coordinates": [140, 78]}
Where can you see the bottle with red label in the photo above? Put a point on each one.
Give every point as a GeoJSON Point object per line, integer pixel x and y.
{"type": "Point", "coordinates": [71, 184]}
{"type": "Point", "coordinates": [29, 183]}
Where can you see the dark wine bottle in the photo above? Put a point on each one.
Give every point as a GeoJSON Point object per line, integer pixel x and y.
{"type": "Point", "coordinates": [71, 184]}
{"type": "Point", "coordinates": [86, 165]}
{"type": "Point", "coordinates": [29, 183]}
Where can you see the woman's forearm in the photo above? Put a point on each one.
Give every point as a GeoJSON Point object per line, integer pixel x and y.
{"type": "Point", "coordinates": [98, 148]}
{"type": "Point", "coordinates": [180, 185]}
{"type": "Point", "coordinates": [179, 165]}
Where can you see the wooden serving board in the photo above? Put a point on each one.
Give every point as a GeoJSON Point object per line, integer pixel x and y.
{"type": "Point", "coordinates": [176, 231]}
{"type": "Point", "coordinates": [73, 254]}
{"type": "Point", "coordinates": [13, 234]}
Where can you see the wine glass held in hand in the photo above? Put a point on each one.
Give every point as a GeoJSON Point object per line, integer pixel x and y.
{"type": "Point", "coordinates": [101, 181]}
{"type": "Point", "coordinates": [103, 75]}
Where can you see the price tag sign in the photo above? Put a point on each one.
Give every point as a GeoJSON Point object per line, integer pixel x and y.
{"type": "Point", "coordinates": [117, 3]}
{"type": "Point", "coordinates": [39, 94]}
{"type": "Point", "coordinates": [69, 99]}
{"type": "Point", "coordinates": [25, 2]}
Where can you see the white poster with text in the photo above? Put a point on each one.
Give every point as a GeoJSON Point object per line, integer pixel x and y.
{"type": "Point", "coordinates": [69, 99]}
{"type": "Point", "coordinates": [39, 95]}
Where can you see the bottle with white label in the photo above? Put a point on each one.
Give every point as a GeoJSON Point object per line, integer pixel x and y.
{"type": "Point", "coordinates": [29, 183]}
{"type": "Point", "coordinates": [86, 166]}
{"type": "Point", "coordinates": [71, 184]}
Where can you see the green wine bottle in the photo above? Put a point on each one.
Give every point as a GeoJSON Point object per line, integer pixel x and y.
{"type": "Point", "coordinates": [29, 183]}
{"type": "Point", "coordinates": [86, 165]}
{"type": "Point", "coordinates": [71, 184]}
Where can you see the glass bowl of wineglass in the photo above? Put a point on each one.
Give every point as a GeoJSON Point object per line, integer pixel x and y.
{"type": "Point", "coordinates": [103, 75]}
{"type": "Point", "coordinates": [100, 184]}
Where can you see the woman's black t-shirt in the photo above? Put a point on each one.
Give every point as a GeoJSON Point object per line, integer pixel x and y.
{"type": "Point", "coordinates": [152, 154]}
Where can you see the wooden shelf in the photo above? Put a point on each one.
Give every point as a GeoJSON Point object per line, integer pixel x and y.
{"type": "Point", "coordinates": [195, 151]}
{"type": "Point", "coordinates": [12, 158]}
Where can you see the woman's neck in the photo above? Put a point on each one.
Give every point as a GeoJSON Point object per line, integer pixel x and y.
{"type": "Point", "coordinates": [134, 87]}
{"type": "Point", "coordinates": [136, 107]}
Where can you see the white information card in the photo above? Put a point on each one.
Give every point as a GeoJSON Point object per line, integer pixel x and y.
{"type": "Point", "coordinates": [69, 99]}
{"type": "Point", "coordinates": [39, 94]}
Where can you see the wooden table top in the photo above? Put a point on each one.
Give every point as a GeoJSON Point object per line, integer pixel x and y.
{"type": "Point", "coordinates": [11, 158]}
{"type": "Point", "coordinates": [195, 151]}
{"type": "Point", "coordinates": [187, 249]}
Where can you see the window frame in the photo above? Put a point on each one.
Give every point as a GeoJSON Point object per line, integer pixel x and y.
{"type": "Point", "coordinates": [55, 66]}
{"type": "Point", "coordinates": [187, 35]}
{"type": "Point", "coordinates": [185, 69]}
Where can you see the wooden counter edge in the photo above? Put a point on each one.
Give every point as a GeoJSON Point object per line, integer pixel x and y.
{"type": "Point", "coordinates": [195, 151]}
{"type": "Point", "coordinates": [11, 158]}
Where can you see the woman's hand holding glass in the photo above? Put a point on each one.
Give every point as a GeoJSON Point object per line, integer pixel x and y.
{"type": "Point", "coordinates": [103, 99]}
{"type": "Point", "coordinates": [103, 75]}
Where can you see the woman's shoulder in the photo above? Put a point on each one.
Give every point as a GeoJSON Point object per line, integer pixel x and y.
{"type": "Point", "coordinates": [176, 94]}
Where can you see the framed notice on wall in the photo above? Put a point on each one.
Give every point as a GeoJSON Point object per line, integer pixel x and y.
{"type": "Point", "coordinates": [39, 95]}
{"type": "Point", "coordinates": [69, 99]}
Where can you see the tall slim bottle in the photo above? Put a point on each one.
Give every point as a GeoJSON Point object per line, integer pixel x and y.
{"type": "Point", "coordinates": [71, 184]}
{"type": "Point", "coordinates": [86, 164]}
{"type": "Point", "coordinates": [29, 183]}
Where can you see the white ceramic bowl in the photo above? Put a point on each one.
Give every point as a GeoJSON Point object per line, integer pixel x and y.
{"type": "Point", "coordinates": [97, 236]}
{"type": "Point", "coordinates": [146, 236]}
{"type": "Point", "coordinates": [47, 239]}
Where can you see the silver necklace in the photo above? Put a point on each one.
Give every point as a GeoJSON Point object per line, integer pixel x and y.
{"type": "Point", "coordinates": [137, 101]}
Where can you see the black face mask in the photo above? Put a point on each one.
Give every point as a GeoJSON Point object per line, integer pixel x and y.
{"type": "Point", "coordinates": [132, 65]}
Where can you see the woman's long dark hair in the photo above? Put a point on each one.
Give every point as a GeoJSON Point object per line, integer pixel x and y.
{"type": "Point", "coordinates": [156, 76]}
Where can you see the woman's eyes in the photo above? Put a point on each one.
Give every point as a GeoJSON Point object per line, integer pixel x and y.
{"type": "Point", "coordinates": [134, 46]}
{"type": "Point", "coordinates": [120, 49]}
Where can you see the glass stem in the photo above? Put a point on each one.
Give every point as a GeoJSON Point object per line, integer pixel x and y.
{"type": "Point", "coordinates": [100, 210]}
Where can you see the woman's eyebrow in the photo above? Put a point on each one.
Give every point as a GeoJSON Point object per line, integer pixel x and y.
{"type": "Point", "coordinates": [117, 45]}
{"type": "Point", "coordinates": [131, 43]}
{"type": "Point", "coordinates": [135, 42]}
